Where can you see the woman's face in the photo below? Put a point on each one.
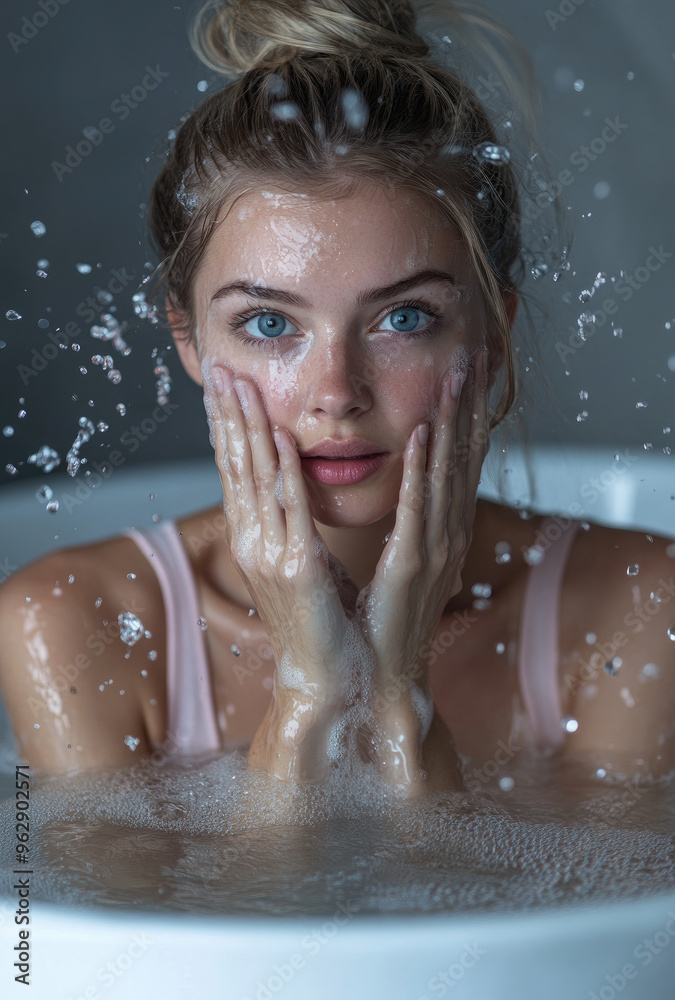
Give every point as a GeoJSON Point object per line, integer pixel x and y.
{"type": "Point", "coordinates": [356, 310]}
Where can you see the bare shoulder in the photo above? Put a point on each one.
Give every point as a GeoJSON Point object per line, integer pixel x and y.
{"type": "Point", "coordinates": [617, 616]}
{"type": "Point", "coordinates": [72, 695]}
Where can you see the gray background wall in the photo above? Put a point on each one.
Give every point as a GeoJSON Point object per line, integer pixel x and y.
{"type": "Point", "coordinates": [70, 74]}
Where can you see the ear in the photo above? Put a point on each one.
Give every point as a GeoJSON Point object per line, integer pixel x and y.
{"type": "Point", "coordinates": [186, 348]}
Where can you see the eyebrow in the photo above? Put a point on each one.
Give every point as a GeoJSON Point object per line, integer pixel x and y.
{"type": "Point", "coordinates": [364, 298]}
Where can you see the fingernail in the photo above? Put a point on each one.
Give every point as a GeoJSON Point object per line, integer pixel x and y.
{"type": "Point", "coordinates": [218, 380]}
{"type": "Point", "coordinates": [423, 433]}
{"type": "Point", "coordinates": [456, 384]}
{"type": "Point", "coordinates": [241, 390]}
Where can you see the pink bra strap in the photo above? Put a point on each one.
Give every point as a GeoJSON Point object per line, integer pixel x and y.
{"type": "Point", "coordinates": [191, 716]}
{"type": "Point", "coordinates": [538, 642]}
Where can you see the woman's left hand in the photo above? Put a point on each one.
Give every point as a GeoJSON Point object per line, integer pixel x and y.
{"type": "Point", "coordinates": [421, 564]}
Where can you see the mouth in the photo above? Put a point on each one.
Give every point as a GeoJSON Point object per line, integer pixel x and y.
{"type": "Point", "coordinates": [340, 470]}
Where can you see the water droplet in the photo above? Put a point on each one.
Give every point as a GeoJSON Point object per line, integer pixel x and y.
{"type": "Point", "coordinates": [121, 409]}
{"type": "Point", "coordinates": [131, 628]}
{"type": "Point", "coordinates": [38, 228]}
{"type": "Point", "coordinates": [235, 649]}
{"type": "Point", "coordinates": [506, 784]}
{"type": "Point", "coordinates": [202, 624]}
{"type": "Point", "coordinates": [202, 86]}
{"type": "Point", "coordinates": [131, 741]}
{"type": "Point", "coordinates": [630, 75]}
{"type": "Point", "coordinates": [579, 85]}
{"type": "Point", "coordinates": [45, 458]}
{"type": "Point", "coordinates": [144, 673]}
{"type": "Point", "coordinates": [533, 556]}
{"type": "Point", "coordinates": [44, 493]}
{"type": "Point", "coordinates": [285, 111]}
{"type": "Point", "coordinates": [600, 772]}
{"type": "Point", "coordinates": [11, 470]}
{"type": "Point", "coordinates": [152, 655]}
{"type": "Point", "coordinates": [71, 578]}
{"type": "Point", "coordinates": [12, 314]}
{"type": "Point", "coordinates": [386, 538]}
{"type": "Point", "coordinates": [84, 268]}
{"type": "Point", "coordinates": [671, 633]}
{"type": "Point", "coordinates": [633, 570]}
{"type": "Point", "coordinates": [354, 109]}
{"type": "Point", "coordinates": [591, 637]}
{"type": "Point", "coordinates": [481, 590]}
{"type": "Point", "coordinates": [156, 518]}
{"type": "Point", "coordinates": [36, 725]}
{"type": "Point", "coordinates": [131, 576]}
{"type": "Point", "coordinates": [582, 416]}
{"type": "Point", "coordinates": [601, 190]}
{"type": "Point", "coordinates": [491, 153]}
{"type": "Point", "coordinates": [640, 406]}
{"type": "Point", "coordinates": [8, 431]}
{"type": "Point", "coordinates": [569, 724]}
{"type": "Point", "coordinates": [583, 394]}
{"type": "Point", "coordinates": [628, 699]}
{"type": "Point", "coordinates": [650, 671]}
{"type": "Point", "coordinates": [613, 666]}
{"type": "Point", "coordinates": [500, 647]}
{"type": "Point", "coordinates": [52, 506]}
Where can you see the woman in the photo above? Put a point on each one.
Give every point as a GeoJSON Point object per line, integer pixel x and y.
{"type": "Point", "coordinates": [339, 237]}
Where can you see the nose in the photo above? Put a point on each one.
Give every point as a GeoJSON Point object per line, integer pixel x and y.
{"type": "Point", "coordinates": [338, 382]}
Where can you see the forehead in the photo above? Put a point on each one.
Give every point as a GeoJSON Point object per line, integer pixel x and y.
{"type": "Point", "coordinates": [270, 233]}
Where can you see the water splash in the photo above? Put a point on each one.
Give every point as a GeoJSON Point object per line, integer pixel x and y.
{"type": "Point", "coordinates": [73, 460]}
{"type": "Point", "coordinates": [131, 628]}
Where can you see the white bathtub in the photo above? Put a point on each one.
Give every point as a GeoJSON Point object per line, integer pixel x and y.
{"type": "Point", "coordinates": [560, 954]}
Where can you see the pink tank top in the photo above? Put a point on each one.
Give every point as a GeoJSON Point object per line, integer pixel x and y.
{"type": "Point", "coordinates": [191, 710]}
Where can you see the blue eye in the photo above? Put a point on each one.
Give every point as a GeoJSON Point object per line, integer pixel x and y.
{"type": "Point", "coordinates": [406, 318]}
{"type": "Point", "coordinates": [268, 325]}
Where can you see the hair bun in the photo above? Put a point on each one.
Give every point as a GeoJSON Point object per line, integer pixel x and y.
{"type": "Point", "coordinates": [238, 35]}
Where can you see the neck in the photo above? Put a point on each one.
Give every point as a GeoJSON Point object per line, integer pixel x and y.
{"type": "Point", "coordinates": [360, 548]}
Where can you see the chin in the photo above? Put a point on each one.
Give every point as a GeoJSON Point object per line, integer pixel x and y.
{"type": "Point", "coordinates": [354, 512]}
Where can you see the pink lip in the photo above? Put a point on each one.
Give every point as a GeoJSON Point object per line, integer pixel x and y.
{"type": "Point", "coordinates": [343, 471]}
{"type": "Point", "coordinates": [342, 448]}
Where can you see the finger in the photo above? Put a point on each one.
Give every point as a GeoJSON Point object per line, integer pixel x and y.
{"type": "Point", "coordinates": [442, 459]}
{"type": "Point", "coordinates": [455, 521]}
{"type": "Point", "coordinates": [406, 539]}
{"type": "Point", "coordinates": [264, 466]}
{"type": "Point", "coordinates": [215, 408]}
{"type": "Point", "coordinates": [237, 452]}
{"type": "Point", "coordinates": [300, 529]}
{"type": "Point", "coordinates": [478, 439]}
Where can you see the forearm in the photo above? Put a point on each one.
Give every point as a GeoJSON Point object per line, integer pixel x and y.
{"type": "Point", "coordinates": [414, 758]}
{"type": "Point", "coordinates": [292, 739]}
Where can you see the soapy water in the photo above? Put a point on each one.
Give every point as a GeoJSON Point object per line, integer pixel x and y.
{"type": "Point", "coordinates": [209, 835]}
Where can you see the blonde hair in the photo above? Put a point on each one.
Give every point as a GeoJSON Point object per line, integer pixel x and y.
{"type": "Point", "coordinates": [326, 95]}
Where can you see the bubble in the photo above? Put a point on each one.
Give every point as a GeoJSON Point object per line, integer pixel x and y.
{"type": "Point", "coordinates": [38, 228]}
{"type": "Point", "coordinates": [12, 315]}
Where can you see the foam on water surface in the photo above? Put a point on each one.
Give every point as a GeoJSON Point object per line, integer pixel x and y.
{"type": "Point", "coordinates": [211, 835]}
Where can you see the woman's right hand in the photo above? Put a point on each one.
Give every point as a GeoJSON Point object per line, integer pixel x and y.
{"type": "Point", "coordinates": [286, 567]}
